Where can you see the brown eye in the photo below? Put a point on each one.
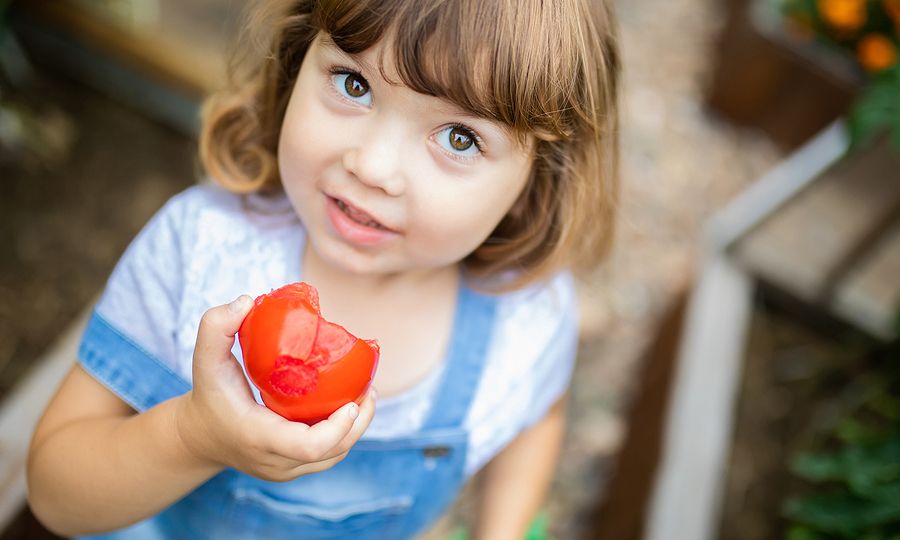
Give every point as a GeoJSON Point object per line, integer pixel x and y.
{"type": "Point", "coordinates": [355, 86]}
{"type": "Point", "coordinates": [460, 139]}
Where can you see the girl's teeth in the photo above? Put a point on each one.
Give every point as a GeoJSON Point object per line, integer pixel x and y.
{"type": "Point", "coordinates": [356, 216]}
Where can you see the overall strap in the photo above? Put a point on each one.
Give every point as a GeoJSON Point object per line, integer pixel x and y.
{"type": "Point", "coordinates": [473, 325]}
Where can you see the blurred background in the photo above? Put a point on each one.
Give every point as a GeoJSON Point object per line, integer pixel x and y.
{"type": "Point", "coordinates": [738, 371]}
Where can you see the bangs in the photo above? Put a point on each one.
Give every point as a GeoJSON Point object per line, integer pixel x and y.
{"type": "Point", "coordinates": [499, 60]}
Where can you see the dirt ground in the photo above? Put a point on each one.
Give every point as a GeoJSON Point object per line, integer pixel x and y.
{"type": "Point", "coordinates": [67, 212]}
{"type": "Point", "coordinates": [65, 219]}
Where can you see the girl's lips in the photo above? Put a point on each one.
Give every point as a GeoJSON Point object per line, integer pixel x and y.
{"type": "Point", "coordinates": [352, 230]}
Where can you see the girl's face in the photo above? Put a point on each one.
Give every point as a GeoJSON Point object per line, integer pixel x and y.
{"type": "Point", "coordinates": [387, 180]}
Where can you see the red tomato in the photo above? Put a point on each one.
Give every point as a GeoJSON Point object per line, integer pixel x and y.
{"type": "Point", "coordinates": [304, 366]}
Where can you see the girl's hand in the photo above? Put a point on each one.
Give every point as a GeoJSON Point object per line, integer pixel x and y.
{"type": "Point", "coordinates": [220, 422]}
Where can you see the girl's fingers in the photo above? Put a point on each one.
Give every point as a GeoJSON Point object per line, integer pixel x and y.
{"type": "Point", "coordinates": [325, 435]}
{"type": "Point", "coordinates": [339, 440]}
{"type": "Point", "coordinates": [317, 466]}
{"type": "Point", "coordinates": [366, 413]}
{"type": "Point", "coordinates": [324, 440]}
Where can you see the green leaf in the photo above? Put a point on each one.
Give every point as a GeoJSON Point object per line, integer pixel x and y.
{"type": "Point", "coordinates": [895, 145]}
{"type": "Point", "coordinates": [882, 493]}
{"type": "Point", "coordinates": [859, 466]}
{"type": "Point", "coordinates": [801, 532]}
{"type": "Point", "coordinates": [876, 110]}
{"type": "Point", "coordinates": [852, 431]}
{"type": "Point", "coordinates": [841, 513]}
{"type": "Point", "coordinates": [886, 405]}
{"type": "Point", "coordinates": [818, 467]}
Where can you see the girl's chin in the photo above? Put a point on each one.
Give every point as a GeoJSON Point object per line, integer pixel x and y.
{"type": "Point", "coordinates": [330, 252]}
{"type": "Point", "coordinates": [340, 257]}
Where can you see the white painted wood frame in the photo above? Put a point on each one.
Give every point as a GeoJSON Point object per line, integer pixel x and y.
{"type": "Point", "coordinates": [687, 496]}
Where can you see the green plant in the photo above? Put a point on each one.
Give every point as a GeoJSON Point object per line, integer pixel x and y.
{"type": "Point", "coordinates": [868, 31]}
{"type": "Point", "coordinates": [877, 110]}
{"type": "Point", "coordinates": [854, 478]}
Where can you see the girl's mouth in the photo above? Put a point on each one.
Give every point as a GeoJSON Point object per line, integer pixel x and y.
{"type": "Point", "coordinates": [359, 216]}
{"type": "Point", "coordinates": [354, 225]}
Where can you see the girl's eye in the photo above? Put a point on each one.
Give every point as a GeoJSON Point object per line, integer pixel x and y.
{"type": "Point", "coordinates": [459, 140]}
{"type": "Point", "coordinates": [352, 86]}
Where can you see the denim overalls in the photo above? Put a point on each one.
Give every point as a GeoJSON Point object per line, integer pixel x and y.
{"type": "Point", "coordinates": [383, 489]}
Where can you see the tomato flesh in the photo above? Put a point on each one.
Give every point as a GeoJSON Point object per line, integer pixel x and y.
{"type": "Point", "coordinates": [304, 366]}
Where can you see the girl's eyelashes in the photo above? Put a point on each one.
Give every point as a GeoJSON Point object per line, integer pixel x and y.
{"type": "Point", "coordinates": [460, 141]}
{"type": "Point", "coordinates": [351, 85]}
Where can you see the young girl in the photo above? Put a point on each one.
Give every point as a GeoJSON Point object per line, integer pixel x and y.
{"type": "Point", "coordinates": [433, 168]}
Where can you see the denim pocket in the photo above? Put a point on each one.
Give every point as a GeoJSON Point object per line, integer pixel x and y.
{"type": "Point", "coordinates": [297, 509]}
{"type": "Point", "coordinates": [268, 515]}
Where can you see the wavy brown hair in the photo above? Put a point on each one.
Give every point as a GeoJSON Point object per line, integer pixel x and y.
{"type": "Point", "coordinates": [546, 68]}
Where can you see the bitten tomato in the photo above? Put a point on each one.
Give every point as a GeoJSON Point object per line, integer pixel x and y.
{"type": "Point", "coordinates": [304, 366]}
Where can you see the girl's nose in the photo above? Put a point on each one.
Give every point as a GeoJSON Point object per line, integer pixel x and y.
{"type": "Point", "coordinates": [375, 162]}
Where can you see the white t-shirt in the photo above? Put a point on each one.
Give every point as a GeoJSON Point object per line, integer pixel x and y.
{"type": "Point", "coordinates": [206, 246]}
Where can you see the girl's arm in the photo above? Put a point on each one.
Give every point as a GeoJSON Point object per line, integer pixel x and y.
{"type": "Point", "coordinates": [94, 465]}
{"type": "Point", "coordinates": [515, 482]}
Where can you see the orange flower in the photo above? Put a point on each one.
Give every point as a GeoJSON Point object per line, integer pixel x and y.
{"type": "Point", "coordinates": [876, 52]}
{"type": "Point", "coordinates": [844, 15]}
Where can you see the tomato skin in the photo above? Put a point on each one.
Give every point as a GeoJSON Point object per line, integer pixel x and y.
{"type": "Point", "coordinates": [304, 366]}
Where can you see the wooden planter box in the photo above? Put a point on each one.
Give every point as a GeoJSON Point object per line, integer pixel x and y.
{"type": "Point", "coordinates": [823, 229]}
{"type": "Point", "coordinates": [764, 79]}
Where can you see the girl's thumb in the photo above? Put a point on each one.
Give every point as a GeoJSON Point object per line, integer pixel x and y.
{"type": "Point", "coordinates": [240, 305]}
{"type": "Point", "coordinates": [219, 325]}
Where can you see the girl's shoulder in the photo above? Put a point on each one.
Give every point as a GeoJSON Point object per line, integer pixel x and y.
{"type": "Point", "coordinates": [535, 330]}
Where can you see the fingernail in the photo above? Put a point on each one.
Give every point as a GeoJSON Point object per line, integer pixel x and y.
{"type": "Point", "coordinates": [238, 304]}
{"type": "Point", "coordinates": [353, 410]}
{"type": "Point", "coordinates": [374, 392]}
